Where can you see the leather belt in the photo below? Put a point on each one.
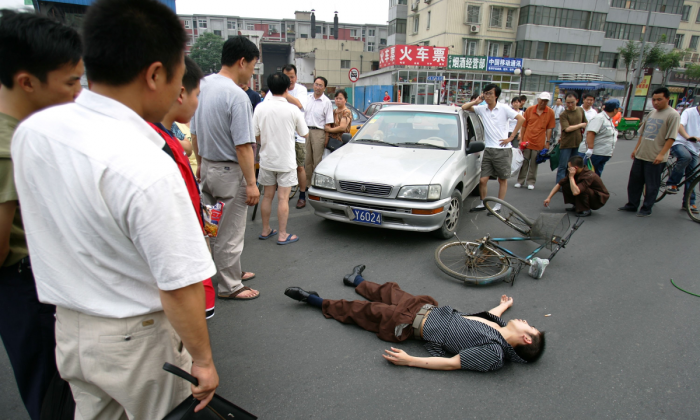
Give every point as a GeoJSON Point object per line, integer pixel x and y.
{"type": "Point", "coordinates": [420, 316]}
{"type": "Point", "coordinates": [315, 128]}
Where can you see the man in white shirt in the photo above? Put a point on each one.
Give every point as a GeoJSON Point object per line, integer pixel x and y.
{"type": "Point", "coordinates": [587, 106]}
{"type": "Point", "coordinates": [298, 96]}
{"type": "Point", "coordinates": [601, 137]}
{"type": "Point", "coordinates": [275, 122]}
{"type": "Point", "coordinates": [685, 149]}
{"type": "Point", "coordinates": [100, 198]}
{"type": "Point", "coordinates": [319, 116]}
{"type": "Point", "coordinates": [498, 152]}
{"type": "Point", "coordinates": [558, 109]}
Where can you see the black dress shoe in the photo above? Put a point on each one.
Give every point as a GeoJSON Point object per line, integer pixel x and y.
{"type": "Point", "coordinates": [583, 213]}
{"type": "Point", "coordinates": [572, 208]}
{"type": "Point", "coordinates": [627, 208]}
{"type": "Point", "coordinates": [297, 293]}
{"type": "Point", "coordinates": [349, 279]}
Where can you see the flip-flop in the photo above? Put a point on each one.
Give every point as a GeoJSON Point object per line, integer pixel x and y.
{"type": "Point", "coordinates": [269, 235]}
{"type": "Point", "coordinates": [234, 296]}
{"type": "Point", "coordinates": [289, 240]}
{"type": "Point", "coordinates": [249, 278]}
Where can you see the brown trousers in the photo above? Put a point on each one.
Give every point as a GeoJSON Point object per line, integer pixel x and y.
{"type": "Point", "coordinates": [388, 307]}
{"type": "Point", "coordinates": [587, 200]}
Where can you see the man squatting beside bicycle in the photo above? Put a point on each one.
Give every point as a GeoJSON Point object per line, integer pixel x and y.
{"type": "Point", "coordinates": [479, 341]}
{"type": "Point", "coordinates": [582, 188]}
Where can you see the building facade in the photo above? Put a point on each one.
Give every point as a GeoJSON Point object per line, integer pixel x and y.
{"type": "Point", "coordinates": [688, 35]}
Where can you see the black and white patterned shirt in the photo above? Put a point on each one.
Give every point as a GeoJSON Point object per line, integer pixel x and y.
{"type": "Point", "coordinates": [479, 346]}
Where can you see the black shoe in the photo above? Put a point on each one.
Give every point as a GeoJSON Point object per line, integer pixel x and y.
{"type": "Point", "coordinates": [572, 208]}
{"type": "Point", "coordinates": [583, 213]}
{"type": "Point", "coordinates": [627, 208]}
{"type": "Point", "coordinates": [477, 208]}
{"type": "Point", "coordinates": [349, 280]}
{"type": "Point", "coordinates": [297, 293]}
{"type": "Point", "coordinates": [643, 213]}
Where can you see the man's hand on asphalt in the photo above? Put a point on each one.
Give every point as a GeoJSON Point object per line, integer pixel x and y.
{"type": "Point", "coordinates": [208, 382]}
{"type": "Point", "coordinates": [397, 357]}
{"type": "Point", "coordinates": [252, 195]}
{"type": "Point", "coordinates": [547, 201]}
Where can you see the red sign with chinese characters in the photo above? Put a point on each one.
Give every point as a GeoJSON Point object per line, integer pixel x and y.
{"type": "Point", "coordinates": [413, 55]}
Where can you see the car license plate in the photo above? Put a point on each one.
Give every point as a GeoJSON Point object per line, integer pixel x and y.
{"type": "Point", "coordinates": [367, 216]}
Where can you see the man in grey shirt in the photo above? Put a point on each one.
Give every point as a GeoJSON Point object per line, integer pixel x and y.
{"type": "Point", "coordinates": [222, 134]}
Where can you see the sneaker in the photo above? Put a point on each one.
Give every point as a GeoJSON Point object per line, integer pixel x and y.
{"type": "Point", "coordinates": [693, 209]}
{"type": "Point", "coordinates": [496, 208]}
{"type": "Point", "coordinates": [518, 185]}
{"type": "Point", "coordinates": [530, 187]}
{"type": "Point", "coordinates": [643, 213]}
{"type": "Point", "coordinates": [583, 213]}
{"type": "Point", "coordinates": [672, 189]}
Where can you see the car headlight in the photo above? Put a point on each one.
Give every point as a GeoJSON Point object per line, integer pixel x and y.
{"type": "Point", "coordinates": [323, 181]}
{"type": "Point", "coordinates": [420, 192]}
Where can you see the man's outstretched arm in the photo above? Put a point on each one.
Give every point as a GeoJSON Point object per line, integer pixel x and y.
{"type": "Point", "coordinates": [401, 358]}
{"type": "Point", "coordinates": [506, 302]}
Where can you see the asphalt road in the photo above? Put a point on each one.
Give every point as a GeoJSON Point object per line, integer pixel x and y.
{"type": "Point", "coordinates": [621, 340]}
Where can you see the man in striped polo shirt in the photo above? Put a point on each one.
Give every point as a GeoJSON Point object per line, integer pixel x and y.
{"type": "Point", "coordinates": [479, 341]}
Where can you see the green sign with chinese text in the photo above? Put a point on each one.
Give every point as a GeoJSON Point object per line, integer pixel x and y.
{"type": "Point", "coordinates": [466, 62]}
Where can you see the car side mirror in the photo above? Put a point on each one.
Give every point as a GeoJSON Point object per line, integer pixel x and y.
{"type": "Point", "coordinates": [475, 147]}
{"type": "Point", "coordinates": [346, 137]}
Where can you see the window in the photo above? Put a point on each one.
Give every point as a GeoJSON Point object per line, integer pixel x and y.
{"type": "Point", "coordinates": [290, 28]}
{"type": "Point", "coordinates": [371, 33]}
{"type": "Point", "coordinates": [250, 27]}
{"type": "Point", "coordinates": [426, 43]}
{"type": "Point", "coordinates": [678, 42]}
{"type": "Point", "coordinates": [370, 46]}
{"type": "Point", "coordinates": [344, 64]}
{"type": "Point", "coordinates": [397, 26]}
{"type": "Point", "coordinates": [363, 32]}
{"type": "Point", "coordinates": [510, 18]}
{"type": "Point", "coordinates": [382, 41]}
{"type": "Point", "coordinates": [415, 23]}
{"type": "Point", "coordinates": [231, 24]}
{"type": "Point", "coordinates": [273, 29]}
{"type": "Point", "coordinates": [189, 40]}
{"type": "Point", "coordinates": [428, 25]}
{"type": "Point", "coordinates": [304, 36]}
{"type": "Point", "coordinates": [473, 13]}
{"type": "Point", "coordinates": [187, 24]}
{"type": "Point", "coordinates": [496, 17]}
{"type": "Point", "coordinates": [318, 29]}
{"type": "Point", "coordinates": [554, 51]}
{"type": "Point", "coordinates": [662, 6]}
{"type": "Point", "coordinates": [217, 32]}
{"type": "Point", "coordinates": [471, 46]}
{"type": "Point", "coordinates": [608, 60]}
{"type": "Point", "coordinates": [493, 49]}
{"type": "Point", "coordinates": [353, 32]}
{"type": "Point", "coordinates": [507, 49]}
{"type": "Point", "coordinates": [685, 14]}
{"type": "Point", "coordinates": [202, 23]}
{"type": "Point", "coordinates": [565, 18]}
{"type": "Point", "coordinates": [697, 19]}
{"type": "Point", "coordinates": [693, 42]}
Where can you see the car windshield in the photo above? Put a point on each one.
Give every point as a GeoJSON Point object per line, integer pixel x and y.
{"type": "Point", "coordinates": [412, 129]}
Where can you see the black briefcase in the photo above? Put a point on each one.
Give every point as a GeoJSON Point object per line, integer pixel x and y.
{"type": "Point", "coordinates": [217, 409]}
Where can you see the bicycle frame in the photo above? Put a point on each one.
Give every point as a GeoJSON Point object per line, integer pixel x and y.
{"type": "Point", "coordinates": [526, 260]}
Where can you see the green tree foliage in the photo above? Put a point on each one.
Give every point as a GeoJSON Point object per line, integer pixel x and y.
{"type": "Point", "coordinates": [693, 72]}
{"type": "Point", "coordinates": [669, 61]}
{"type": "Point", "coordinates": [629, 53]}
{"type": "Point", "coordinates": [206, 52]}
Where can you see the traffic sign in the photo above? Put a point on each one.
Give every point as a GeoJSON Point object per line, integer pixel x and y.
{"type": "Point", "coordinates": [354, 75]}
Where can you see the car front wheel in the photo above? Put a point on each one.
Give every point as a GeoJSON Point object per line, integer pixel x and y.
{"type": "Point", "coordinates": [452, 212]}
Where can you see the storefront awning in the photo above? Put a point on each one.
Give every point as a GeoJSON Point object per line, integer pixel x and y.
{"type": "Point", "coordinates": [591, 86]}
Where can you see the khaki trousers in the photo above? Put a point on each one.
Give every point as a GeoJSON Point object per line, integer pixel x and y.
{"type": "Point", "coordinates": [315, 144]}
{"type": "Point", "coordinates": [115, 366]}
{"type": "Point", "coordinates": [529, 168]}
{"type": "Point", "coordinates": [224, 181]}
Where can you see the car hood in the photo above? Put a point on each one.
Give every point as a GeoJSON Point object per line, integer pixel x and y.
{"type": "Point", "coordinates": [384, 164]}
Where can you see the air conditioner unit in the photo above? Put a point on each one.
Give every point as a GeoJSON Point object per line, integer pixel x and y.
{"type": "Point", "coordinates": [474, 28]}
{"type": "Point", "coordinates": [414, 5]}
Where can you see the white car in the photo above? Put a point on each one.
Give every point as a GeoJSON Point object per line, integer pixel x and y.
{"type": "Point", "coordinates": [408, 168]}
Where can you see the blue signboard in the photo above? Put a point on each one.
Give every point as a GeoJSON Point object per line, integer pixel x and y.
{"type": "Point", "coordinates": [503, 64]}
{"type": "Point", "coordinates": [435, 78]}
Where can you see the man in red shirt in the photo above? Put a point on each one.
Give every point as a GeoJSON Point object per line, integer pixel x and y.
{"type": "Point", "coordinates": [536, 133]}
{"type": "Point", "coordinates": [182, 111]}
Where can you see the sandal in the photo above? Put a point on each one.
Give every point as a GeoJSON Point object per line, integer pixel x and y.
{"type": "Point", "coordinates": [269, 235]}
{"type": "Point", "coordinates": [234, 296]}
{"type": "Point", "coordinates": [289, 240]}
{"type": "Point", "coordinates": [249, 278]}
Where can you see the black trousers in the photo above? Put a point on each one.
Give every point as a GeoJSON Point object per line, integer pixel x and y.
{"type": "Point", "coordinates": [27, 331]}
{"type": "Point", "coordinates": [643, 174]}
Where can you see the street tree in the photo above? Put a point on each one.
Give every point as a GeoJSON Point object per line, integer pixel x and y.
{"type": "Point", "coordinates": [629, 53]}
{"type": "Point", "coordinates": [206, 52]}
{"type": "Point", "coordinates": [669, 61]}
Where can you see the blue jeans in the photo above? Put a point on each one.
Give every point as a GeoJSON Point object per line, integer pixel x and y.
{"type": "Point", "coordinates": [685, 163]}
{"type": "Point", "coordinates": [564, 156]}
{"type": "Point", "coordinates": [597, 161]}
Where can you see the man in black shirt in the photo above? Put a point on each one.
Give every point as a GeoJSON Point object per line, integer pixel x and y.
{"type": "Point", "coordinates": [254, 96]}
{"type": "Point", "coordinates": [479, 341]}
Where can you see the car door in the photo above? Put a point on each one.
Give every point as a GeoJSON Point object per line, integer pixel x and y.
{"type": "Point", "coordinates": [474, 131]}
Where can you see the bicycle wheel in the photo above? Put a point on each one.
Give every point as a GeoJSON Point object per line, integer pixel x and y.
{"type": "Point", "coordinates": [477, 265]}
{"type": "Point", "coordinates": [293, 191]}
{"type": "Point", "coordinates": [664, 180]}
{"type": "Point", "coordinates": [693, 187]}
{"type": "Point", "coordinates": [509, 215]}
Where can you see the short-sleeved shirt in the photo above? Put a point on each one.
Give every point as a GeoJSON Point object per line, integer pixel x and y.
{"type": "Point", "coordinates": [8, 192]}
{"type": "Point", "coordinates": [275, 122]}
{"type": "Point", "coordinates": [536, 127]}
{"type": "Point", "coordinates": [590, 113]}
{"type": "Point", "coordinates": [657, 127]}
{"type": "Point", "coordinates": [690, 118]}
{"type": "Point", "coordinates": [100, 203]}
{"type": "Point", "coordinates": [512, 123]}
{"type": "Point", "coordinates": [558, 109]}
{"type": "Point", "coordinates": [495, 123]}
{"type": "Point", "coordinates": [254, 96]}
{"type": "Point", "coordinates": [300, 93]}
{"type": "Point", "coordinates": [605, 135]}
{"type": "Point", "coordinates": [224, 119]}
{"type": "Point", "coordinates": [338, 116]}
{"type": "Point", "coordinates": [571, 140]}
{"type": "Point", "coordinates": [319, 112]}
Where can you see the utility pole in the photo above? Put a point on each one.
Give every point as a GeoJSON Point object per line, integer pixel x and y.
{"type": "Point", "coordinates": [638, 77]}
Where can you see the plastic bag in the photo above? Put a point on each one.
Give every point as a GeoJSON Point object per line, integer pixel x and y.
{"type": "Point", "coordinates": [517, 161]}
{"type": "Point", "coordinates": [542, 156]}
{"type": "Point", "coordinates": [212, 216]}
{"type": "Point", "coordinates": [537, 267]}
{"type": "Point", "coordinates": [554, 157]}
